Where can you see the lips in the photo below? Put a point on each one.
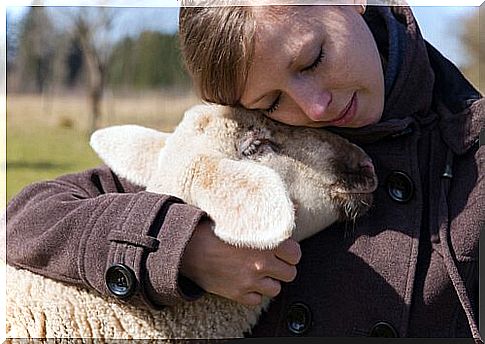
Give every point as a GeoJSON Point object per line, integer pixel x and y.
{"type": "Point", "coordinates": [344, 111]}
{"type": "Point", "coordinates": [347, 114]}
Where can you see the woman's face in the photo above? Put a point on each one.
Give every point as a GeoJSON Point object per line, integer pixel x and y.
{"type": "Point", "coordinates": [315, 66]}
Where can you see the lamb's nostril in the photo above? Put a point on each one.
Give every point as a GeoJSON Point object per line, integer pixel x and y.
{"type": "Point", "coordinates": [367, 165]}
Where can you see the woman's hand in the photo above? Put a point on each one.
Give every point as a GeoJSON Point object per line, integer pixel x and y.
{"type": "Point", "coordinates": [240, 274]}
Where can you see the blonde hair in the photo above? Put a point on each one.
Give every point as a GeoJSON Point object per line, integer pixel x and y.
{"type": "Point", "coordinates": [217, 45]}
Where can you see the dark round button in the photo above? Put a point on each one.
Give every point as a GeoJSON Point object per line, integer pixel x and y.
{"type": "Point", "coordinates": [400, 187]}
{"type": "Point", "coordinates": [383, 329]}
{"type": "Point", "coordinates": [120, 280]}
{"type": "Point", "coordinates": [298, 318]}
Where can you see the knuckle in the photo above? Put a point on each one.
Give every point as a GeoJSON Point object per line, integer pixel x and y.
{"type": "Point", "coordinates": [245, 287]}
{"type": "Point", "coordinates": [249, 285]}
{"type": "Point", "coordinates": [259, 266]}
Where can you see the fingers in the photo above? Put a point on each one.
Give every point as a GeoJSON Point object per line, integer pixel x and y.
{"type": "Point", "coordinates": [240, 274]}
{"type": "Point", "coordinates": [266, 287]}
{"type": "Point", "coordinates": [269, 265]}
{"type": "Point", "coordinates": [289, 252]}
{"type": "Point", "coordinates": [280, 263]}
{"type": "Point", "coordinates": [269, 287]}
{"type": "Point", "coordinates": [280, 271]}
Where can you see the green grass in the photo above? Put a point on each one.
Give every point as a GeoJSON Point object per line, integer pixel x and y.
{"type": "Point", "coordinates": [46, 136]}
{"type": "Point", "coordinates": [42, 152]}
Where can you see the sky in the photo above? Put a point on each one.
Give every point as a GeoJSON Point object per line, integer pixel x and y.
{"type": "Point", "coordinates": [439, 25]}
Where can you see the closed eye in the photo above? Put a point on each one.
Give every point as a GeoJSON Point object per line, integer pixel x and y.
{"type": "Point", "coordinates": [274, 106]}
{"type": "Point", "coordinates": [316, 62]}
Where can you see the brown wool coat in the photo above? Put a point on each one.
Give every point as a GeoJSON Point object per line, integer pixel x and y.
{"type": "Point", "coordinates": [406, 268]}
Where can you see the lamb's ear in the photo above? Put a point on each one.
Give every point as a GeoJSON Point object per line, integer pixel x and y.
{"type": "Point", "coordinates": [248, 201]}
{"type": "Point", "coordinates": [131, 151]}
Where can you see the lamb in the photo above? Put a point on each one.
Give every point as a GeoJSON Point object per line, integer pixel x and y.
{"type": "Point", "coordinates": [261, 181]}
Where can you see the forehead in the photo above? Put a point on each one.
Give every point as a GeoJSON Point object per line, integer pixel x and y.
{"type": "Point", "coordinates": [329, 18]}
{"type": "Point", "coordinates": [284, 29]}
{"type": "Point", "coordinates": [281, 17]}
{"type": "Point", "coordinates": [280, 35]}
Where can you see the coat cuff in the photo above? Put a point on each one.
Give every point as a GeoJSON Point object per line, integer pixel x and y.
{"type": "Point", "coordinates": [144, 235]}
{"type": "Point", "coordinates": [163, 284]}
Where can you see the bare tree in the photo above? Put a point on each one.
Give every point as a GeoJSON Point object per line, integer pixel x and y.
{"type": "Point", "coordinates": [92, 27]}
{"type": "Point", "coordinates": [36, 49]}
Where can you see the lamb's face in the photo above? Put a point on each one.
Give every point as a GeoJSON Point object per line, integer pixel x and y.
{"type": "Point", "coordinates": [327, 177]}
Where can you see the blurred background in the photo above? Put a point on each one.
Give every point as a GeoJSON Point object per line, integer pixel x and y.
{"type": "Point", "coordinates": [71, 70]}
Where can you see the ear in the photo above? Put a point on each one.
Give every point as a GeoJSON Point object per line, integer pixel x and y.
{"type": "Point", "coordinates": [248, 201]}
{"type": "Point", "coordinates": [131, 151]}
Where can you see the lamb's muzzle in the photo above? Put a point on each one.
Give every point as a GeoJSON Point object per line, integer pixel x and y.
{"type": "Point", "coordinates": [355, 184]}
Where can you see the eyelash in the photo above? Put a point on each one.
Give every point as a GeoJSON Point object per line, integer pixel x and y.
{"type": "Point", "coordinates": [310, 68]}
{"type": "Point", "coordinates": [317, 61]}
{"type": "Point", "coordinates": [275, 105]}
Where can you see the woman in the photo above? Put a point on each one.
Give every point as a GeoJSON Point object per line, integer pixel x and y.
{"type": "Point", "coordinates": [376, 81]}
{"type": "Point", "coordinates": [409, 268]}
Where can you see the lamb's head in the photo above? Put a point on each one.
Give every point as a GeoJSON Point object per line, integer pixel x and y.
{"type": "Point", "coordinates": [327, 177]}
{"type": "Point", "coordinates": [257, 178]}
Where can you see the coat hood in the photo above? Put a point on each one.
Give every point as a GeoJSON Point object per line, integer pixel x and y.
{"type": "Point", "coordinates": [419, 83]}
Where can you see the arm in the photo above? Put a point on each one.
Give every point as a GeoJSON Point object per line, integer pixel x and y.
{"type": "Point", "coordinates": [75, 227]}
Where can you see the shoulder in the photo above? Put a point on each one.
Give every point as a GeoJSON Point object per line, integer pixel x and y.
{"type": "Point", "coordinates": [100, 179]}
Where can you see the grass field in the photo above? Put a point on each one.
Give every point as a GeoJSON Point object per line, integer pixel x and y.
{"type": "Point", "coordinates": [47, 136]}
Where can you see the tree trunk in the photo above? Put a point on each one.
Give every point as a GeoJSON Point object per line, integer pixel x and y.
{"type": "Point", "coordinates": [96, 76]}
{"type": "Point", "coordinates": [96, 94]}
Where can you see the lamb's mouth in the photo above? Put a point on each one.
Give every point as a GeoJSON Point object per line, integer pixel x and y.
{"type": "Point", "coordinates": [354, 201]}
{"type": "Point", "coordinates": [366, 185]}
{"type": "Point", "coordinates": [352, 205]}
{"type": "Point", "coordinates": [367, 191]}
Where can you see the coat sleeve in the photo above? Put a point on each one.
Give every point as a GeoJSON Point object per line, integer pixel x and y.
{"type": "Point", "coordinates": [74, 228]}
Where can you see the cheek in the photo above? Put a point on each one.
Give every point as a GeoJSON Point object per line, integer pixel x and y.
{"type": "Point", "coordinates": [371, 80]}
{"type": "Point", "coordinates": [370, 110]}
{"type": "Point", "coordinates": [358, 55]}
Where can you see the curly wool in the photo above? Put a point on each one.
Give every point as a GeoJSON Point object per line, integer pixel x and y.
{"type": "Point", "coordinates": [38, 307]}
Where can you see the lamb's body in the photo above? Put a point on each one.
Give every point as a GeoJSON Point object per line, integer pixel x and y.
{"type": "Point", "coordinates": [39, 307]}
{"type": "Point", "coordinates": [246, 172]}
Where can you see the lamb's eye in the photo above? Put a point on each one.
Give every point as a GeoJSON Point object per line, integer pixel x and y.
{"type": "Point", "coordinates": [256, 143]}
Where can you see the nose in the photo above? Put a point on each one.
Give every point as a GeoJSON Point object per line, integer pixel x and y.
{"type": "Point", "coordinates": [313, 101]}
{"type": "Point", "coordinates": [367, 165]}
